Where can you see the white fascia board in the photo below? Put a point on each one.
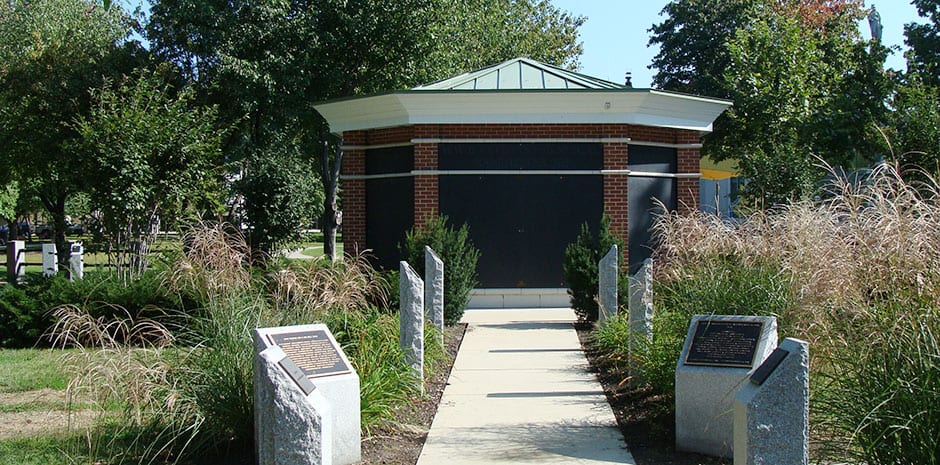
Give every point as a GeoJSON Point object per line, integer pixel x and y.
{"type": "Point", "coordinates": [377, 111]}
{"type": "Point", "coordinates": [648, 108]}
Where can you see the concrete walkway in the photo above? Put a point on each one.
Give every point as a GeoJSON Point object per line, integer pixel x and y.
{"type": "Point", "coordinates": [520, 393]}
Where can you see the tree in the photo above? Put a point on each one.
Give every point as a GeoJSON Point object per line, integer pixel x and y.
{"type": "Point", "coordinates": [693, 41]}
{"type": "Point", "coordinates": [148, 155]}
{"type": "Point", "coordinates": [923, 58]}
{"type": "Point", "coordinates": [915, 130]}
{"type": "Point", "coordinates": [802, 81]}
{"type": "Point", "coordinates": [52, 52]}
{"type": "Point", "coordinates": [265, 62]}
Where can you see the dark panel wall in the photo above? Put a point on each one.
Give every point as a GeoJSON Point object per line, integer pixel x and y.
{"type": "Point", "coordinates": [389, 203]}
{"type": "Point", "coordinates": [643, 193]}
{"type": "Point", "coordinates": [521, 223]}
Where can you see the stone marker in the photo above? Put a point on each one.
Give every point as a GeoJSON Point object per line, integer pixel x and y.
{"type": "Point", "coordinates": [771, 411]}
{"type": "Point", "coordinates": [434, 289]}
{"type": "Point", "coordinates": [49, 260]}
{"type": "Point", "coordinates": [608, 269]}
{"type": "Point", "coordinates": [76, 263]}
{"type": "Point", "coordinates": [411, 320]}
{"type": "Point", "coordinates": [320, 360]}
{"type": "Point", "coordinates": [16, 261]}
{"type": "Point", "coordinates": [293, 422]}
{"type": "Point", "coordinates": [718, 355]}
{"type": "Point", "coordinates": [641, 306]}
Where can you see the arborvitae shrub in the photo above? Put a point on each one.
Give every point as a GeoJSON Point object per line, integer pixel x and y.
{"type": "Point", "coordinates": [459, 255]}
{"type": "Point", "coordinates": [581, 271]}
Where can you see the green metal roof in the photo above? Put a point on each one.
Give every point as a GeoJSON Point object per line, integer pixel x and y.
{"type": "Point", "coordinates": [521, 74]}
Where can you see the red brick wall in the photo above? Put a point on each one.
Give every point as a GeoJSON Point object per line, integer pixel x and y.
{"type": "Point", "coordinates": [425, 158]}
{"type": "Point", "coordinates": [687, 189]}
{"type": "Point", "coordinates": [426, 194]}
{"type": "Point", "coordinates": [616, 206]}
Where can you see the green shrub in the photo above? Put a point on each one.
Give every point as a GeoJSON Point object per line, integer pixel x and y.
{"type": "Point", "coordinates": [22, 316]}
{"type": "Point", "coordinates": [720, 286]}
{"type": "Point", "coordinates": [581, 271]}
{"type": "Point", "coordinates": [24, 308]}
{"type": "Point", "coordinates": [459, 255]}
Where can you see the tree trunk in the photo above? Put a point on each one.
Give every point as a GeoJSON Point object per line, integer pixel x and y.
{"type": "Point", "coordinates": [330, 177]}
{"type": "Point", "coordinates": [55, 205]}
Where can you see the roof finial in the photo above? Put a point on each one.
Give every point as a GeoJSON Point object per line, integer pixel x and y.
{"type": "Point", "coordinates": [627, 77]}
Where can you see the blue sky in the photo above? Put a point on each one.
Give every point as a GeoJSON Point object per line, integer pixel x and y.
{"type": "Point", "coordinates": [616, 33]}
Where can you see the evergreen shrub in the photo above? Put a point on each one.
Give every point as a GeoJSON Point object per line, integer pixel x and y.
{"type": "Point", "coordinates": [459, 255]}
{"type": "Point", "coordinates": [581, 270]}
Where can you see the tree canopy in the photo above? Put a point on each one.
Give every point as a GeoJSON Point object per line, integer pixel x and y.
{"type": "Point", "coordinates": [265, 63]}
{"type": "Point", "coordinates": [803, 83]}
{"type": "Point", "coordinates": [52, 53]}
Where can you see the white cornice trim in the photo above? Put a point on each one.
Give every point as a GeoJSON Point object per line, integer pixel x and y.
{"type": "Point", "coordinates": [375, 146]}
{"type": "Point", "coordinates": [639, 107]}
{"type": "Point", "coordinates": [666, 145]}
{"type": "Point", "coordinates": [570, 140]}
{"type": "Point", "coordinates": [413, 173]}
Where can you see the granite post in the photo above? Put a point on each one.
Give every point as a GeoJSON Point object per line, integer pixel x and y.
{"type": "Point", "coordinates": [76, 262]}
{"type": "Point", "coordinates": [16, 261]}
{"type": "Point", "coordinates": [50, 264]}
{"type": "Point", "coordinates": [434, 289]}
{"type": "Point", "coordinates": [411, 320]}
{"type": "Point", "coordinates": [292, 426]}
{"type": "Point", "coordinates": [641, 306]}
{"type": "Point", "coordinates": [705, 391]}
{"type": "Point", "coordinates": [771, 412]}
{"type": "Point", "coordinates": [608, 271]}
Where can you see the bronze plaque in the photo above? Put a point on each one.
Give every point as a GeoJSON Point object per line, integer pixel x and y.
{"type": "Point", "coordinates": [312, 351]}
{"type": "Point", "coordinates": [724, 343]}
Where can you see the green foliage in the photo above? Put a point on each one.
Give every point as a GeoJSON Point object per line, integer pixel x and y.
{"type": "Point", "coordinates": [278, 179]}
{"type": "Point", "coordinates": [22, 317]}
{"type": "Point", "coordinates": [916, 130]}
{"type": "Point", "coordinates": [581, 269]}
{"type": "Point", "coordinates": [803, 83]}
{"type": "Point", "coordinates": [923, 59]}
{"type": "Point", "coordinates": [255, 62]}
{"type": "Point", "coordinates": [52, 54]}
{"type": "Point", "coordinates": [885, 395]}
{"type": "Point", "coordinates": [719, 286]}
{"type": "Point", "coordinates": [456, 250]}
{"type": "Point", "coordinates": [24, 309]}
{"type": "Point", "coordinates": [148, 152]}
{"type": "Point", "coordinates": [692, 55]}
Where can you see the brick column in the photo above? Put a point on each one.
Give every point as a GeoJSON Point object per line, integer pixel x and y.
{"type": "Point", "coordinates": [354, 194]}
{"type": "Point", "coordinates": [615, 194]}
{"type": "Point", "coordinates": [426, 187]}
{"type": "Point", "coordinates": [687, 189]}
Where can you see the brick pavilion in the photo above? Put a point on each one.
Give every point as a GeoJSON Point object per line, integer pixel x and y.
{"type": "Point", "coordinates": [523, 152]}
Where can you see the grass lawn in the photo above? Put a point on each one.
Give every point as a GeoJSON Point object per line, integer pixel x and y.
{"type": "Point", "coordinates": [315, 250]}
{"type": "Point", "coordinates": [42, 450]}
{"type": "Point", "coordinates": [31, 369]}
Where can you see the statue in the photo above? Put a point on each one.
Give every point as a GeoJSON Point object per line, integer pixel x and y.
{"type": "Point", "coordinates": [874, 21]}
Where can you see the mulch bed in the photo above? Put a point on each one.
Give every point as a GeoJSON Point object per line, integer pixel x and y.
{"type": "Point", "coordinates": [645, 418]}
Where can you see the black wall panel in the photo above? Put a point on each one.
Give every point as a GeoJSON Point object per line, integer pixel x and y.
{"type": "Point", "coordinates": [389, 203]}
{"type": "Point", "coordinates": [521, 223]}
{"type": "Point", "coordinates": [643, 193]}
